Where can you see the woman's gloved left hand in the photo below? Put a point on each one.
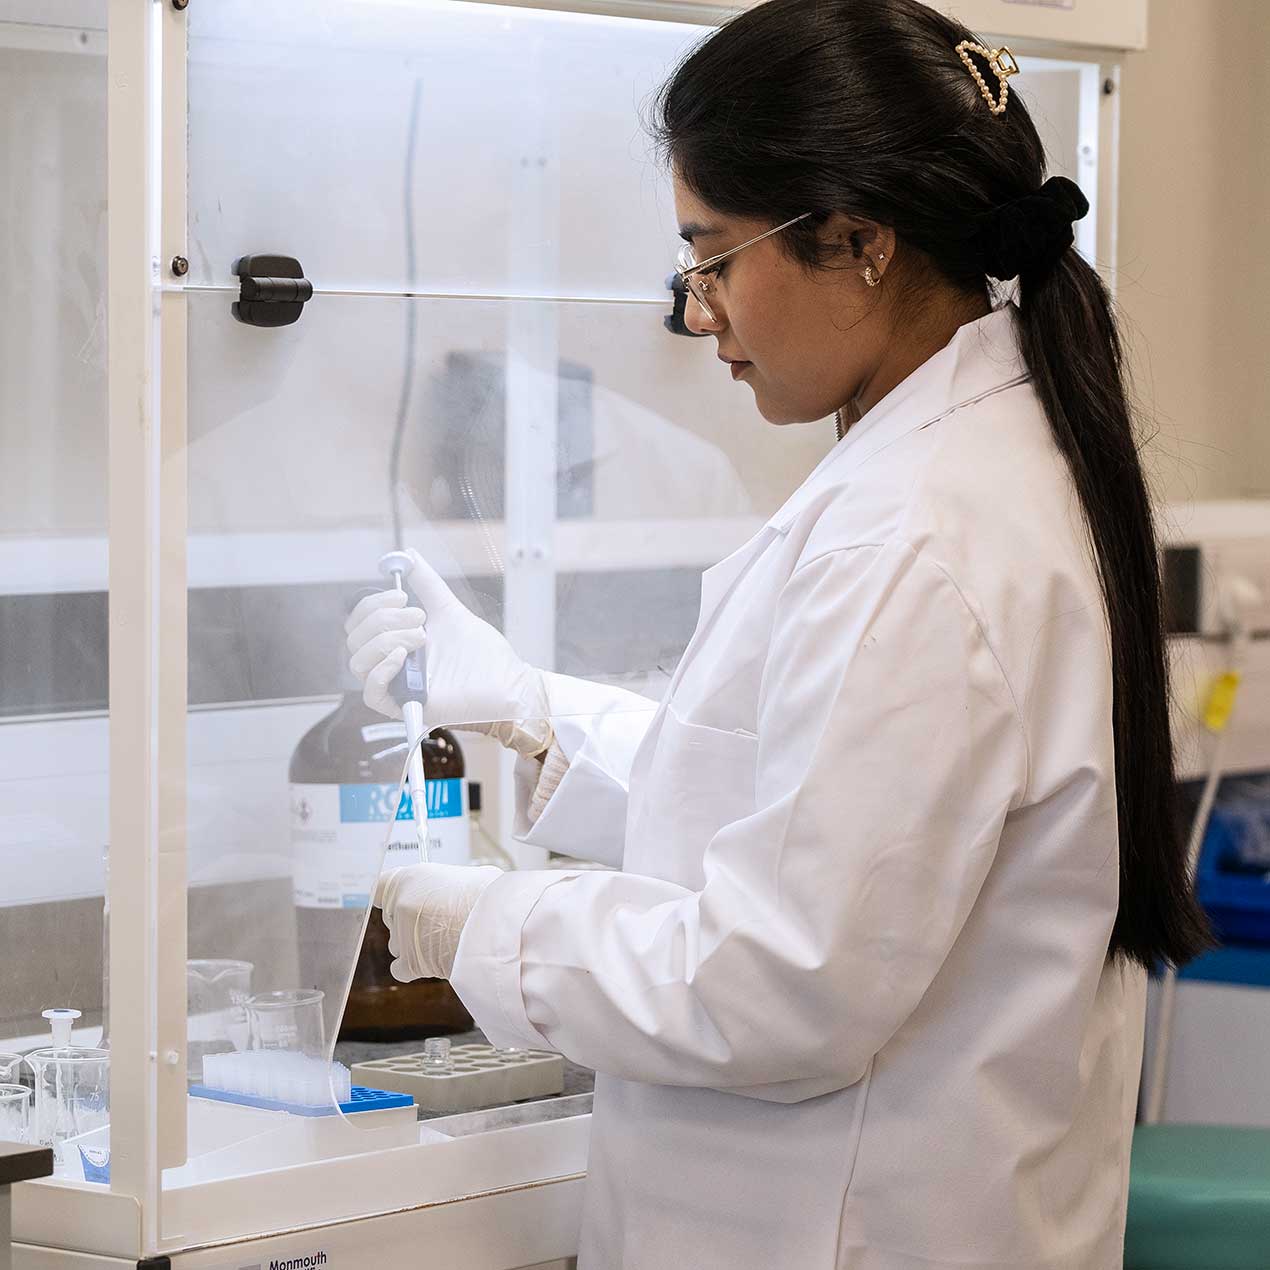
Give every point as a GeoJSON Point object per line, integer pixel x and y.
{"type": "Point", "coordinates": [425, 907]}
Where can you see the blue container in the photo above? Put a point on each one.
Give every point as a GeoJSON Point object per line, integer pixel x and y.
{"type": "Point", "coordinates": [1229, 883]}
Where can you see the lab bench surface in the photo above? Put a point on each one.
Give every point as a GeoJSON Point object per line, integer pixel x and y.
{"type": "Point", "coordinates": [21, 1163]}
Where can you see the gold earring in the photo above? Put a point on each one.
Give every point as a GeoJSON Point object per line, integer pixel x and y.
{"type": "Point", "coordinates": [870, 277]}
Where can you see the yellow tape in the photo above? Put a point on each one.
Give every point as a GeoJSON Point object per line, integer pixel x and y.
{"type": "Point", "coordinates": [1221, 701]}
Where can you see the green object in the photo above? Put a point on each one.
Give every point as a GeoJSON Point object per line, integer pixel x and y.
{"type": "Point", "coordinates": [1199, 1198]}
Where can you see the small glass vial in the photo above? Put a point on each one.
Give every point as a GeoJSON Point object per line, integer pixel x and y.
{"type": "Point", "coordinates": [436, 1056]}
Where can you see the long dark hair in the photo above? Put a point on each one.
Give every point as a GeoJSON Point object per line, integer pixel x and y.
{"type": "Point", "coordinates": [864, 107]}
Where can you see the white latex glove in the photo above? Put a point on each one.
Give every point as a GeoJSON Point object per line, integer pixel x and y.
{"type": "Point", "coordinates": [475, 679]}
{"type": "Point", "coordinates": [424, 908]}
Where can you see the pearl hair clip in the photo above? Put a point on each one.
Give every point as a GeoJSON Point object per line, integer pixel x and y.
{"type": "Point", "coordinates": [1002, 63]}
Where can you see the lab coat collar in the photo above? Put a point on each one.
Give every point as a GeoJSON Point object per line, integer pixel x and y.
{"type": "Point", "coordinates": [982, 358]}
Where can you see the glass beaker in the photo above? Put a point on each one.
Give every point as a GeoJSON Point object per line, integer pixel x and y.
{"type": "Point", "coordinates": [72, 1094]}
{"type": "Point", "coordinates": [15, 1113]}
{"type": "Point", "coordinates": [10, 1069]}
{"type": "Point", "coordinates": [217, 993]}
{"type": "Point", "coordinates": [290, 1019]}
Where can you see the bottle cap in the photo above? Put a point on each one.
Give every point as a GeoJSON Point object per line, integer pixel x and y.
{"type": "Point", "coordinates": [61, 1021]}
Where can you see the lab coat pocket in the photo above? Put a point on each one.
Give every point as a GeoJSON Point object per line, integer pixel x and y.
{"type": "Point", "coordinates": [697, 780]}
{"type": "Point", "coordinates": [723, 696]}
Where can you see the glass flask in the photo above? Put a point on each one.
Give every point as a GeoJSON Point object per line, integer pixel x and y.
{"type": "Point", "coordinates": [290, 1019]}
{"type": "Point", "coordinates": [217, 992]}
{"type": "Point", "coordinates": [72, 1095]}
{"type": "Point", "coordinates": [15, 1112]}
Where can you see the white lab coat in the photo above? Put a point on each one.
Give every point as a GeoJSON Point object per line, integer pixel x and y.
{"type": "Point", "coordinates": [848, 999]}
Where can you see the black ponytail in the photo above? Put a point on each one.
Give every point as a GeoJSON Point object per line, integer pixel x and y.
{"type": "Point", "coordinates": [1084, 396]}
{"type": "Point", "coordinates": [863, 106]}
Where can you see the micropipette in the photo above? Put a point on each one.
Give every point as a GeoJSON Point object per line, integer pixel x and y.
{"type": "Point", "coordinates": [410, 691]}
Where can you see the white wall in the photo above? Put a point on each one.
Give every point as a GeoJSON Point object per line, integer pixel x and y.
{"type": "Point", "coordinates": [1194, 278]}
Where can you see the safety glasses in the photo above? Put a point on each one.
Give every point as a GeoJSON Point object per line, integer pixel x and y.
{"type": "Point", "coordinates": [699, 276]}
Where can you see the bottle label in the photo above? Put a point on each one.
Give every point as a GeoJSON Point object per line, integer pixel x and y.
{"type": "Point", "coordinates": [337, 835]}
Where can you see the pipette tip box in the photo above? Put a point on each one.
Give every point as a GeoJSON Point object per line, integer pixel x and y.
{"type": "Point", "coordinates": [360, 1099]}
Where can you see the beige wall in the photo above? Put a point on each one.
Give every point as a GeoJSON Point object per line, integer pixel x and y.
{"type": "Point", "coordinates": [1194, 255]}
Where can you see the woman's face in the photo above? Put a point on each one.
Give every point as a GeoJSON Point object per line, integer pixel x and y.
{"type": "Point", "coordinates": [808, 341]}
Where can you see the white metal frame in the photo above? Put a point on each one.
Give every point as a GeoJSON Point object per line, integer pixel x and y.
{"type": "Point", "coordinates": [1103, 24]}
{"type": "Point", "coordinates": [146, 147]}
{"type": "Point", "coordinates": [169, 142]}
{"type": "Point", "coordinates": [531, 408]}
{"type": "Point", "coordinates": [136, 732]}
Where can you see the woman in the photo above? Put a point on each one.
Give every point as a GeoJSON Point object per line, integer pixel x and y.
{"type": "Point", "coordinates": [898, 844]}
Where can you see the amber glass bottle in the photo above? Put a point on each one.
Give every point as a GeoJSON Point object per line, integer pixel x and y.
{"type": "Point", "coordinates": [344, 774]}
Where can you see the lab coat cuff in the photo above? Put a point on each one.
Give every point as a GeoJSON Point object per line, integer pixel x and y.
{"type": "Point", "coordinates": [594, 725]}
{"type": "Point", "coordinates": [549, 818]}
{"type": "Point", "coordinates": [487, 967]}
{"type": "Point", "coordinates": [550, 773]}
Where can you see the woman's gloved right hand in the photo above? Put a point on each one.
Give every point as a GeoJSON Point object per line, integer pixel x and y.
{"type": "Point", "coordinates": [476, 681]}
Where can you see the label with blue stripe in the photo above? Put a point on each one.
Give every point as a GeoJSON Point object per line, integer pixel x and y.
{"type": "Point", "coordinates": [343, 836]}
{"type": "Point", "coordinates": [370, 804]}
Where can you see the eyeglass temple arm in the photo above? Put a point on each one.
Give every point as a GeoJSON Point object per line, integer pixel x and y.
{"type": "Point", "coordinates": [731, 251]}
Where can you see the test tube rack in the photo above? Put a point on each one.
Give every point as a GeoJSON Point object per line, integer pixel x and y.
{"type": "Point", "coordinates": [475, 1076]}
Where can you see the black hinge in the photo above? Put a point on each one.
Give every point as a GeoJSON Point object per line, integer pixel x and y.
{"type": "Point", "coordinates": [155, 1263]}
{"type": "Point", "coordinates": [273, 290]}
